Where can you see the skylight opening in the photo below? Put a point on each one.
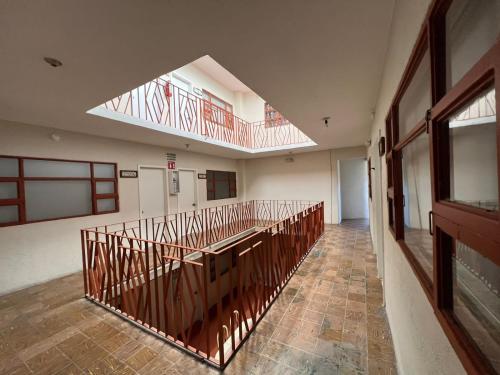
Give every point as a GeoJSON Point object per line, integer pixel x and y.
{"type": "Point", "coordinates": [203, 101]}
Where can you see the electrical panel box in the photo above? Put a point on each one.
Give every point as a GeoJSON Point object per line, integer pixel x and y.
{"type": "Point", "coordinates": [173, 182]}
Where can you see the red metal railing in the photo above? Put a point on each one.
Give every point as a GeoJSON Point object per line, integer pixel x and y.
{"type": "Point", "coordinates": [165, 104]}
{"type": "Point", "coordinates": [206, 301]}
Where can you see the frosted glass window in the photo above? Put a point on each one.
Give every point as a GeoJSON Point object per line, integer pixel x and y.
{"type": "Point", "coordinates": [9, 167]}
{"type": "Point", "coordinates": [104, 187]}
{"type": "Point", "coordinates": [104, 205]}
{"type": "Point", "coordinates": [473, 153]}
{"type": "Point", "coordinates": [472, 27]}
{"type": "Point", "coordinates": [417, 98]}
{"type": "Point", "coordinates": [104, 170]}
{"type": "Point", "coordinates": [8, 214]}
{"type": "Point", "coordinates": [57, 199]}
{"type": "Point", "coordinates": [8, 190]}
{"type": "Point", "coordinates": [476, 299]}
{"type": "Point", "coordinates": [418, 200]}
{"type": "Point", "coordinates": [55, 168]}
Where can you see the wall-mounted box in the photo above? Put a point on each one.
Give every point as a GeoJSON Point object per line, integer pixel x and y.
{"type": "Point", "coordinates": [173, 182]}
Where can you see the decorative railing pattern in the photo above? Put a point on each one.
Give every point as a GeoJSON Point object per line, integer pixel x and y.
{"type": "Point", "coordinates": [204, 301]}
{"type": "Point", "coordinates": [164, 104]}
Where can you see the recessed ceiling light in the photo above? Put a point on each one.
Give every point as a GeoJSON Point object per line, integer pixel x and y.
{"type": "Point", "coordinates": [52, 62]}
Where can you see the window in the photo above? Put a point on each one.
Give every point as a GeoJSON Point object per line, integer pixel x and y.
{"type": "Point", "coordinates": [272, 117]}
{"type": "Point", "coordinates": [221, 185]}
{"type": "Point", "coordinates": [476, 299]}
{"type": "Point", "coordinates": [217, 110]}
{"type": "Point", "coordinates": [33, 190]}
{"type": "Point", "coordinates": [443, 163]}
{"type": "Point", "coordinates": [417, 201]}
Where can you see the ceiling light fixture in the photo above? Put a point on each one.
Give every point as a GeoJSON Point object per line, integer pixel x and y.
{"type": "Point", "coordinates": [52, 62]}
{"type": "Point", "coordinates": [325, 120]}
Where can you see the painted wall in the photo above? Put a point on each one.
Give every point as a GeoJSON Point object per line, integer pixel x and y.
{"type": "Point", "coordinates": [420, 343]}
{"type": "Point", "coordinates": [311, 176]}
{"type": "Point", "coordinates": [353, 189]}
{"type": "Point", "coordinates": [33, 253]}
{"type": "Point", "coordinates": [246, 105]}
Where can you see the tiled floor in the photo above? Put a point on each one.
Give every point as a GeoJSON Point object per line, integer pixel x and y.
{"type": "Point", "coordinates": [328, 320]}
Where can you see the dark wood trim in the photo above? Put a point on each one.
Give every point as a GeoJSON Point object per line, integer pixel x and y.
{"type": "Point", "coordinates": [411, 136]}
{"type": "Point", "coordinates": [422, 277]}
{"type": "Point", "coordinates": [451, 221]}
{"type": "Point", "coordinates": [20, 201]}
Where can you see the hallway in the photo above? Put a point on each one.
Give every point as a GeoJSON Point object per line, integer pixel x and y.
{"type": "Point", "coordinates": [328, 320]}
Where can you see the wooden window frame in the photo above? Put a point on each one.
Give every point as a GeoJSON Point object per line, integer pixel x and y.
{"type": "Point", "coordinates": [211, 185]}
{"type": "Point", "coordinates": [269, 121]}
{"type": "Point", "coordinates": [475, 227]}
{"type": "Point", "coordinates": [209, 108]}
{"type": "Point", "coordinates": [20, 201]}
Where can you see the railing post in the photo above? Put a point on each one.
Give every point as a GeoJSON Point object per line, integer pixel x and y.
{"type": "Point", "coordinates": [84, 252]}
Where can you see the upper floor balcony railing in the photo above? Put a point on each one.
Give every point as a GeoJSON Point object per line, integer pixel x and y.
{"type": "Point", "coordinates": [161, 103]}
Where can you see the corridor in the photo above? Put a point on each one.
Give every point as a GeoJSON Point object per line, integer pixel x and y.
{"type": "Point", "coordinates": [328, 320]}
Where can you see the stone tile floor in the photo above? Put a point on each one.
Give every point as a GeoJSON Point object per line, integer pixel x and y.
{"type": "Point", "coordinates": [328, 320]}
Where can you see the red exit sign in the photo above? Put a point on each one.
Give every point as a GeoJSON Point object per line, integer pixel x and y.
{"type": "Point", "coordinates": [171, 164]}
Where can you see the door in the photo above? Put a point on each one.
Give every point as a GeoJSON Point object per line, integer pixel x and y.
{"type": "Point", "coordinates": [152, 191]}
{"type": "Point", "coordinates": [187, 195]}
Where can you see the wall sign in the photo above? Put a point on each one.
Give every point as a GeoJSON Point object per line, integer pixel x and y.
{"type": "Point", "coordinates": [128, 174]}
{"type": "Point", "coordinates": [171, 156]}
{"type": "Point", "coordinates": [202, 176]}
{"type": "Point", "coordinates": [171, 164]}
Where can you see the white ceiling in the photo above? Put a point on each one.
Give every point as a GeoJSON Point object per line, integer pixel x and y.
{"type": "Point", "coordinates": [310, 59]}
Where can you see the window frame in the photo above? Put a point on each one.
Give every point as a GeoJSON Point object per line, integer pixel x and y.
{"type": "Point", "coordinates": [211, 184]}
{"type": "Point", "coordinates": [20, 201]}
{"type": "Point", "coordinates": [209, 108]}
{"type": "Point", "coordinates": [451, 221]}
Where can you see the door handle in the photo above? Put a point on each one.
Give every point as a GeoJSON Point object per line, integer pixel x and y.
{"type": "Point", "coordinates": [431, 232]}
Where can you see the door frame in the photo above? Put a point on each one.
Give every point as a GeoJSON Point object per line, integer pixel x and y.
{"type": "Point", "coordinates": [166, 191]}
{"type": "Point", "coordinates": [195, 184]}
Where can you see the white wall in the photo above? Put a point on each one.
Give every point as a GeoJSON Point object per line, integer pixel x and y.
{"type": "Point", "coordinates": [419, 341]}
{"type": "Point", "coordinates": [311, 176]}
{"type": "Point", "coordinates": [246, 105]}
{"type": "Point", "coordinates": [33, 253]}
{"type": "Point", "coordinates": [353, 189]}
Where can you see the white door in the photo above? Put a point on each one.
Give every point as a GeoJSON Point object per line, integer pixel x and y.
{"type": "Point", "coordinates": [187, 194]}
{"type": "Point", "coordinates": [152, 191]}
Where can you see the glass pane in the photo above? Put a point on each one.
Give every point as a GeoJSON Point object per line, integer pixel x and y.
{"type": "Point", "coordinates": [221, 189]}
{"type": "Point", "coordinates": [54, 168]}
{"type": "Point", "coordinates": [476, 299]}
{"type": "Point", "coordinates": [9, 167]}
{"type": "Point", "coordinates": [104, 170]}
{"type": "Point", "coordinates": [8, 190]}
{"type": "Point", "coordinates": [417, 98]}
{"type": "Point", "coordinates": [104, 187]}
{"type": "Point", "coordinates": [472, 26]}
{"type": "Point", "coordinates": [473, 153]}
{"type": "Point", "coordinates": [9, 214]}
{"type": "Point", "coordinates": [418, 200]}
{"type": "Point", "coordinates": [104, 205]}
{"type": "Point", "coordinates": [57, 199]}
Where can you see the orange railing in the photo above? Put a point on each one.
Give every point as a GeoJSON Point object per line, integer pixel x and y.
{"type": "Point", "coordinates": [164, 104]}
{"type": "Point", "coordinates": [162, 274]}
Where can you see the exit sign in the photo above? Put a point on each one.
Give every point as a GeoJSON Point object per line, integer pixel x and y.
{"type": "Point", "coordinates": [171, 164]}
